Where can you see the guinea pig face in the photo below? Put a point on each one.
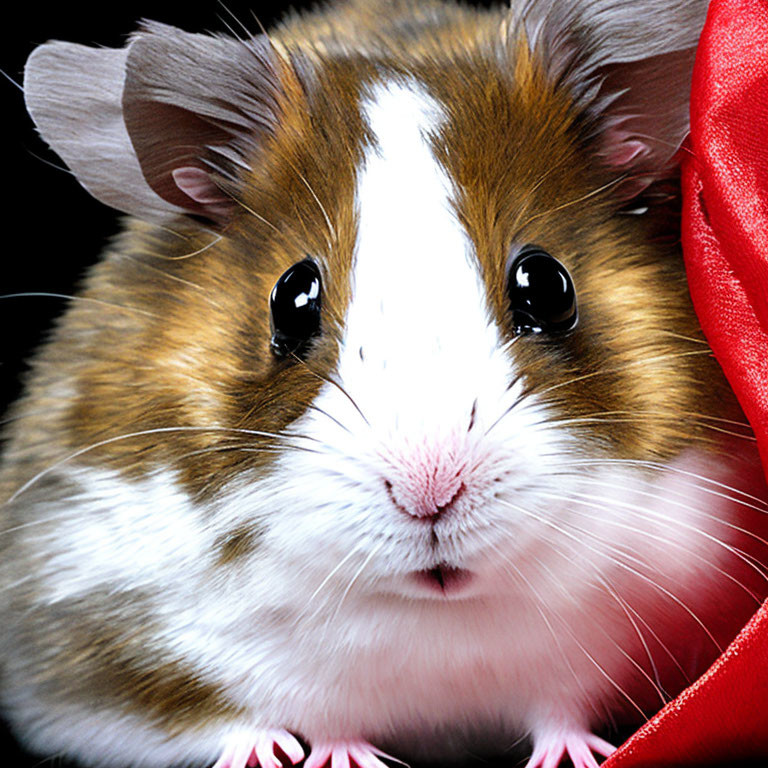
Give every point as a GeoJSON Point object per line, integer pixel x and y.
{"type": "Point", "coordinates": [502, 359]}
{"type": "Point", "coordinates": [418, 327]}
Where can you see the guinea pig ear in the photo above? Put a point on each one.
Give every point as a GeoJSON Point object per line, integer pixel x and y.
{"type": "Point", "coordinates": [74, 94]}
{"type": "Point", "coordinates": [628, 64]}
{"type": "Point", "coordinates": [161, 127]}
{"type": "Point", "coordinates": [196, 108]}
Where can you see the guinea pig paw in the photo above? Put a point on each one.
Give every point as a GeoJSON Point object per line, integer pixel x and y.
{"type": "Point", "coordinates": [260, 748]}
{"type": "Point", "coordinates": [346, 754]}
{"type": "Point", "coordinates": [550, 747]}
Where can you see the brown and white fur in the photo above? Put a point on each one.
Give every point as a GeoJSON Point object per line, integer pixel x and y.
{"type": "Point", "coordinates": [204, 544]}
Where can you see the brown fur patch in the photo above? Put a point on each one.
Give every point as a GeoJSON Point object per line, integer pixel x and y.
{"type": "Point", "coordinates": [167, 354]}
{"type": "Point", "coordinates": [635, 378]}
{"type": "Point", "coordinates": [236, 544]}
{"type": "Point", "coordinates": [102, 650]}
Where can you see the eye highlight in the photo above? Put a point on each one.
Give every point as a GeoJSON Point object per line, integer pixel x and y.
{"type": "Point", "coordinates": [541, 293]}
{"type": "Point", "coordinates": [294, 306]}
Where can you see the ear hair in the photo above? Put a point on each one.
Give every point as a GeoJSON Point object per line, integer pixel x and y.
{"type": "Point", "coordinates": [74, 95]}
{"type": "Point", "coordinates": [628, 65]}
{"type": "Point", "coordinates": [155, 128]}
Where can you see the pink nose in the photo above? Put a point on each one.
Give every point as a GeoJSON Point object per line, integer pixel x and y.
{"type": "Point", "coordinates": [427, 492]}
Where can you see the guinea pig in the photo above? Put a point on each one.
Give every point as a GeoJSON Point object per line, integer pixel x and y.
{"type": "Point", "coordinates": [386, 425]}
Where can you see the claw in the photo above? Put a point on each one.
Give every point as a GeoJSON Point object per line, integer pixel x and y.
{"type": "Point", "coordinates": [551, 746]}
{"type": "Point", "coordinates": [601, 746]}
{"type": "Point", "coordinates": [257, 748]}
{"type": "Point", "coordinates": [346, 754]}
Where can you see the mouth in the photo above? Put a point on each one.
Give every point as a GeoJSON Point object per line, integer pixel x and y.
{"type": "Point", "coordinates": [443, 580]}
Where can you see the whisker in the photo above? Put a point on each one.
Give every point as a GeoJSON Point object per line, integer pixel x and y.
{"type": "Point", "coordinates": [317, 408]}
{"type": "Point", "coordinates": [11, 80]}
{"type": "Point", "coordinates": [538, 603]}
{"type": "Point", "coordinates": [177, 279]}
{"type": "Point", "coordinates": [215, 241]}
{"type": "Point", "coordinates": [351, 583]}
{"type": "Point", "coordinates": [130, 435]}
{"type": "Point", "coordinates": [334, 383]}
{"type": "Point", "coordinates": [333, 572]}
{"type": "Point", "coordinates": [682, 337]}
{"type": "Point", "coordinates": [251, 211]}
{"type": "Point", "coordinates": [619, 563]}
{"type": "Point", "coordinates": [55, 166]}
{"type": "Point", "coordinates": [248, 448]}
{"type": "Point", "coordinates": [236, 20]}
{"type": "Point", "coordinates": [580, 645]}
{"type": "Point", "coordinates": [45, 294]}
{"type": "Point", "coordinates": [328, 223]}
{"type": "Point", "coordinates": [68, 513]}
{"type": "Point", "coordinates": [616, 369]}
{"type": "Point", "coordinates": [759, 506]}
{"type": "Point", "coordinates": [581, 199]}
{"type": "Point", "coordinates": [661, 643]}
{"type": "Point", "coordinates": [640, 418]}
{"type": "Point", "coordinates": [333, 237]}
{"type": "Point", "coordinates": [591, 374]}
{"type": "Point", "coordinates": [262, 28]}
{"type": "Point", "coordinates": [702, 417]}
{"type": "Point", "coordinates": [655, 684]}
{"type": "Point", "coordinates": [591, 501]}
{"type": "Point", "coordinates": [688, 507]}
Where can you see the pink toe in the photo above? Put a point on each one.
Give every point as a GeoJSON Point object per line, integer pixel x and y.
{"type": "Point", "coordinates": [340, 757]}
{"type": "Point", "coordinates": [346, 754]}
{"type": "Point", "coordinates": [236, 756]}
{"type": "Point", "coordinates": [318, 756]}
{"type": "Point", "coordinates": [534, 761]}
{"type": "Point", "coordinates": [265, 752]}
{"type": "Point", "coordinates": [553, 755]}
{"type": "Point", "coordinates": [580, 755]}
{"type": "Point", "coordinates": [290, 746]}
{"type": "Point", "coordinates": [551, 746]}
{"type": "Point", "coordinates": [365, 757]}
{"type": "Point", "coordinates": [601, 746]}
{"type": "Point", "coordinates": [259, 748]}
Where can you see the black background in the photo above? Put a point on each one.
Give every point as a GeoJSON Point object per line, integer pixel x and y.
{"type": "Point", "coordinates": [53, 230]}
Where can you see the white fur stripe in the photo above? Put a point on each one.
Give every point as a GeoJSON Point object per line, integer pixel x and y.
{"type": "Point", "coordinates": [418, 299]}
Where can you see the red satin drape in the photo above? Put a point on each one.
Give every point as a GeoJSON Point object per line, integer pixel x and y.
{"type": "Point", "coordinates": [723, 717]}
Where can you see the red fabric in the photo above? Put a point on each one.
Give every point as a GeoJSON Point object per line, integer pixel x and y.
{"type": "Point", "coordinates": [724, 715]}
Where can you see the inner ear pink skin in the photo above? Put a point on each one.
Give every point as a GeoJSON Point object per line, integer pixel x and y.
{"type": "Point", "coordinates": [627, 151]}
{"type": "Point", "coordinates": [197, 184]}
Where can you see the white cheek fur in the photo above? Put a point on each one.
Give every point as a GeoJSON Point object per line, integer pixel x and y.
{"type": "Point", "coordinates": [137, 534]}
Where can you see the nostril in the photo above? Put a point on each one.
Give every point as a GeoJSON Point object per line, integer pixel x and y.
{"type": "Point", "coordinates": [456, 496]}
{"type": "Point", "coordinates": [472, 416]}
{"type": "Point", "coordinates": [391, 493]}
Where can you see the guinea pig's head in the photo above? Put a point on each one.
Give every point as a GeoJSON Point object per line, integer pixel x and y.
{"type": "Point", "coordinates": [408, 317]}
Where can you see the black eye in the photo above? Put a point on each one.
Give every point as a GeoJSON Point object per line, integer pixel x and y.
{"type": "Point", "coordinates": [295, 308]}
{"type": "Point", "coordinates": [541, 294]}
